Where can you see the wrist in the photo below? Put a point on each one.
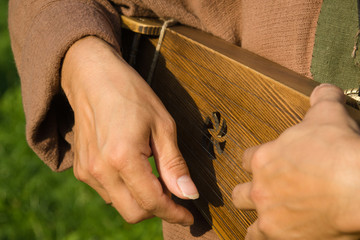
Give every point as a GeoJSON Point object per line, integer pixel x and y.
{"type": "Point", "coordinates": [82, 62]}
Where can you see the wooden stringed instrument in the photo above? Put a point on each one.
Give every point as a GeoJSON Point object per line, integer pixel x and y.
{"type": "Point", "coordinates": [224, 100]}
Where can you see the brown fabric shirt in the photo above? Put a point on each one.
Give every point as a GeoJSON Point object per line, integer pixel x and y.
{"type": "Point", "coordinates": [42, 31]}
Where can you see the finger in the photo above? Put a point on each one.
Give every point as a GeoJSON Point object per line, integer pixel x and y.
{"type": "Point", "coordinates": [327, 92]}
{"type": "Point", "coordinates": [99, 189]}
{"type": "Point", "coordinates": [83, 176]}
{"type": "Point", "coordinates": [165, 189]}
{"type": "Point", "coordinates": [327, 103]}
{"type": "Point", "coordinates": [80, 170]}
{"type": "Point", "coordinates": [148, 192]}
{"type": "Point", "coordinates": [241, 196]}
{"type": "Point", "coordinates": [171, 164]}
{"type": "Point", "coordinates": [253, 232]}
{"type": "Point", "coordinates": [118, 195]}
{"type": "Point", "coordinates": [124, 203]}
{"type": "Point", "coordinates": [248, 156]}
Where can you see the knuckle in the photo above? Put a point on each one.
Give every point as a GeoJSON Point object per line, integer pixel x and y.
{"type": "Point", "coordinates": [132, 218]}
{"type": "Point", "coordinates": [265, 226]}
{"type": "Point", "coordinates": [256, 195]}
{"type": "Point", "coordinates": [95, 170]}
{"type": "Point", "coordinates": [148, 204]}
{"type": "Point", "coordinates": [169, 125]}
{"type": "Point", "coordinates": [115, 157]}
{"type": "Point", "coordinates": [175, 164]}
{"type": "Point", "coordinates": [80, 175]}
{"type": "Point", "coordinates": [260, 158]}
{"type": "Point", "coordinates": [327, 105]}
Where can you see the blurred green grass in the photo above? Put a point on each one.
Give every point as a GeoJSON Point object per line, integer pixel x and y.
{"type": "Point", "coordinates": [36, 203]}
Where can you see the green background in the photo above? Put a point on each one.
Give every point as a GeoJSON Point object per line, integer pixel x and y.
{"type": "Point", "coordinates": [36, 203]}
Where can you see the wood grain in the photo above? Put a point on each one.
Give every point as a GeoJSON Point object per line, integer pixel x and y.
{"type": "Point", "coordinates": [147, 26]}
{"type": "Point", "coordinates": [206, 84]}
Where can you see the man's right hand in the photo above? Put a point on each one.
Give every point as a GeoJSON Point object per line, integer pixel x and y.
{"type": "Point", "coordinates": [119, 124]}
{"type": "Point", "coordinates": [306, 182]}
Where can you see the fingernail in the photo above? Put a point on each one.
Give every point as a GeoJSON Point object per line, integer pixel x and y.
{"type": "Point", "coordinates": [187, 187]}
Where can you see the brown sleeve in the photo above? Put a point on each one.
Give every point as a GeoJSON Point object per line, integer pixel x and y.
{"type": "Point", "coordinates": [41, 32]}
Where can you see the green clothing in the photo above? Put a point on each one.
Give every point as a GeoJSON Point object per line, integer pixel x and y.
{"type": "Point", "coordinates": [334, 42]}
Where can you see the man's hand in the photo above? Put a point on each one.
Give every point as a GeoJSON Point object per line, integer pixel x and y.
{"type": "Point", "coordinates": [119, 124]}
{"type": "Point", "coordinates": [306, 183]}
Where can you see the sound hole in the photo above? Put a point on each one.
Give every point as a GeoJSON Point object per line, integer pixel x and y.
{"type": "Point", "coordinates": [217, 130]}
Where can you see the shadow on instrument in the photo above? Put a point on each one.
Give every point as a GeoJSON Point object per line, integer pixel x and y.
{"type": "Point", "coordinates": [195, 140]}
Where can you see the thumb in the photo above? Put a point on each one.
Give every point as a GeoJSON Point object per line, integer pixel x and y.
{"type": "Point", "coordinates": [327, 92]}
{"type": "Point", "coordinates": [171, 164]}
{"type": "Point", "coordinates": [327, 107]}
